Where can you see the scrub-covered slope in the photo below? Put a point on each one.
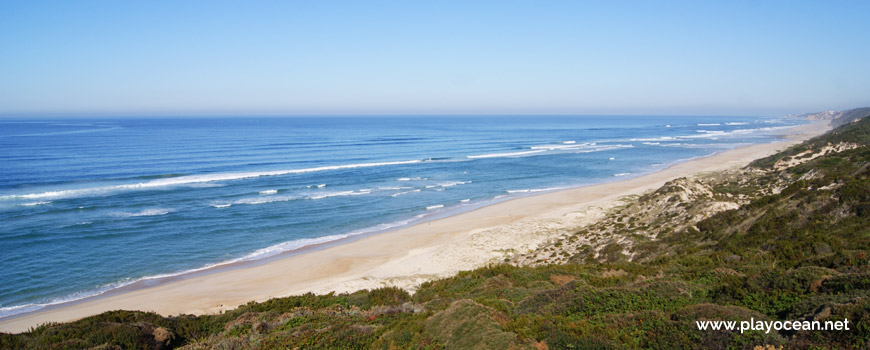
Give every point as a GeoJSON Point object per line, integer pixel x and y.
{"type": "Point", "coordinates": [786, 238]}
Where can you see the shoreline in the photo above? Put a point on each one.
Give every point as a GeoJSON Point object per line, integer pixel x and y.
{"type": "Point", "coordinates": [402, 257]}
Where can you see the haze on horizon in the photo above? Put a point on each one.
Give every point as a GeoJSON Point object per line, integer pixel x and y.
{"type": "Point", "coordinates": [98, 58]}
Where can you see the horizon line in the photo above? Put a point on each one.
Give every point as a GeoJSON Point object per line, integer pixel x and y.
{"type": "Point", "coordinates": [309, 115]}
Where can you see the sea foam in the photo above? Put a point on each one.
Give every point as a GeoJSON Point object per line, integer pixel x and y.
{"type": "Point", "coordinates": [264, 200]}
{"type": "Point", "coordinates": [146, 212]}
{"type": "Point", "coordinates": [259, 254]}
{"type": "Point", "coordinates": [411, 179]}
{"type": "Point", "coordinates": [511, 154]}
{"type": "Point", "coordinates": [341, 194]}
{"type": "Point", "coordinates": [533, 190]}
{"type": "Point", "coordinates": [191, 179]}
{"type": "Point", "coordinates": [404, 193]}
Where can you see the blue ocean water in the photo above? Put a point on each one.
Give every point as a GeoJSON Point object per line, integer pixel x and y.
{"type": "Point", "coordinates": [90, 205]}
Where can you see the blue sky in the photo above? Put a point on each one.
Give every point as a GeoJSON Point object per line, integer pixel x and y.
{"type": "Point", "coordinates": [432, 57]}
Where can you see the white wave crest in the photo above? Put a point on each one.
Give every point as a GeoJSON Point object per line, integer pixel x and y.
{"type": "Point", "coordinates": [191, 179]}
{"type": "Point", "coordinates": [532, 190]}
{"type": "Point", "coordinates": [732, 133]}
{"type": "Point", "coordinates": [603, 148]}
{"type": "Point", "coordinates": [654, 139]}
{"type": "Point", "coordinates": [19, 309]}
{"type": "Point", "coordinates": [512, 154]}
{"type": "Point", "coordinates": [454, 183]}
{"type": "Point", "coordinates": [31, 204]}
{"type": "Point", "coordinates": [432, 207]}
{"type": "Point", "coordinates": [267, 192]}
{"type": "Point", "coordinates": [711, 134]}
{"type": "Point", "coordinates": [256, 255]}
{"type": "Point", "coordinates": [205, 185]}
{"type": "Point", "coordinates": [564, 146]}
{"type": "Point", "coordinates": [146, 212]}
{"type": "Point", "coordinates": [404, 193]}
{"type": "Point", "coordinates": [621, 174]}
{"type": "Point", "coordinates": [411, 178]}
{"type": "Point", "coordinates": [264, 200]}
{"type": "Point", "coordinates": [586, 147]}
{"type": "Point", "coordinates": [392, 188]}
{"type": "Point", "coordinates": [341, 194]}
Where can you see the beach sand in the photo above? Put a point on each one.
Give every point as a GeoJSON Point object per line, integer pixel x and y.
{"type": "Point", "coordinates": [408, 256]}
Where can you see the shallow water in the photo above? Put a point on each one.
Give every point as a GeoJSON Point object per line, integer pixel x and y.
{"type": "Point", "coordinates": [88, 205]}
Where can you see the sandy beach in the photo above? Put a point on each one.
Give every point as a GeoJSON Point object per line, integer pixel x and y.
{"type": "Point", "coordinates": [408, 256]}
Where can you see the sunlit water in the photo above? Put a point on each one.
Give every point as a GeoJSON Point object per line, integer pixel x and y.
{"type": "Point", "coordinates": [88, 205]}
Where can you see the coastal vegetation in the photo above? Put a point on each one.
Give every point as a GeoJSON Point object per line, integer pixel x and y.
{"type": "Point", "coordinates": [786, 238]}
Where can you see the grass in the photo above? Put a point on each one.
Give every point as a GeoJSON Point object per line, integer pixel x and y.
{"type": "Point", "coordinates": [800, 254]}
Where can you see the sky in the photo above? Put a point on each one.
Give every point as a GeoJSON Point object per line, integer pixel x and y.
{"type": "Point", "coordinates": [116, 58]}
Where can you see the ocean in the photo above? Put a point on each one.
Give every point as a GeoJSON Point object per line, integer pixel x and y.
{"type": "Point", "coordinates": [91, 205]}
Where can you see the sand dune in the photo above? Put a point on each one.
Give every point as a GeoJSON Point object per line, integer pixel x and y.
{"type": "Point", "coordinates": [405, 257]}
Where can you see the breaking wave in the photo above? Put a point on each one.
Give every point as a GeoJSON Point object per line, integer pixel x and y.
{"type": "Point", "coordinates": [499, 155]}
{"type": "Point", "coordinates": [190, 179]}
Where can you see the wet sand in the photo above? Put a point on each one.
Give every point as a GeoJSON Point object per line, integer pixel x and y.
{"type": "Point", "coordinates": [408, 256]}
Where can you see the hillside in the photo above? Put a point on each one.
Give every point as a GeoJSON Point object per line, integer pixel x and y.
{"type": "Point", "coordinates": [837, 118]}
{"type": "Point", "coordinates": [786, 238]}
